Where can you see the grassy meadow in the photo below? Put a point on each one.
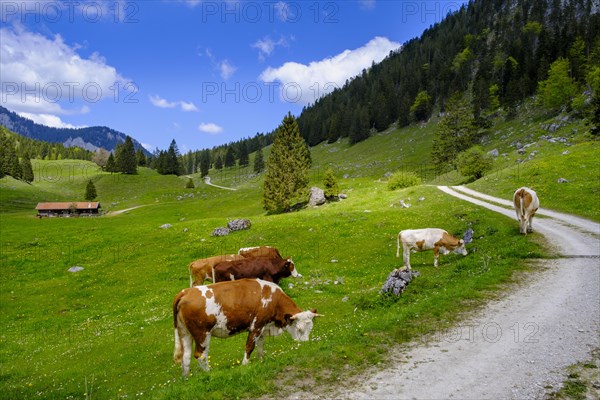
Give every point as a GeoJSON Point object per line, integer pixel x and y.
{"type": "Point", "coordinates": [106, 332]}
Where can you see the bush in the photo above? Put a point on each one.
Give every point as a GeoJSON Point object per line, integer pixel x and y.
{"type": "Point", "coordinates": [189, 184]}
{"type": "Point", "coordinates": [474, 162]}
{"type": "Point", "coordinates": [403, 179]}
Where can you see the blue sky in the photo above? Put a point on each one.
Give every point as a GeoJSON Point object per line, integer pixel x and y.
{"type": "Point", "coordinates": [201, 72]}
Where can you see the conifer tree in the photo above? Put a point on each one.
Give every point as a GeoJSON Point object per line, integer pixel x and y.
{"type": "Point", "coordinates": [330, 183]}
{"type": "Point", "coordinates": [111, 166]}
{"type": "Point", "coordinates": [219, 163]}
{"type": "Point", "coordinates": [90, 191]}
{"type": "Point", "coordinates": [454, 133]}
{"type": "Point", "coordinates": [287, 167]}
{"type": "Point", "coordinates": [244, 157]}
{"type": "Point", "coordinates": [26, 169]}
{"type": "Point", "coordinates": [229, 157]}
{"type": "Point", "coordinates": [204, 162]}
{"type": "Point", "coordinates": [595, 117]}
{"type": "Point", "coordinates": [141, 158]}
{"type": "Point", "coordinates": [259, 162]}
{"type": "Point", "coordinates": [126, 160]}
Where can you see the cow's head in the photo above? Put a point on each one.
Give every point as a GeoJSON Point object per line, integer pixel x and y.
{"type": "Point", "coordinates": [301, 325]}
{"type": "Point", "coordinates": [290, 267]}
{"type": "Point", "coordinates": [460, 249]}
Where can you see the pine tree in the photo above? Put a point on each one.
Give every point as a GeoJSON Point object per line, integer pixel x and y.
{"type": "Point", "coordinates": [27, 169]}
{"type": "Point", "coordinates": [330, 183]}
{"type": "Point", "coordinates": [595, 117]}
{"type": "Point", "coordinates": [229, 157]}
{"type": "Point", "coordinates": [287, 167]}
{"type": "Point", "coordinates": [141, 158]}
{"type": "Point", "coordinates": [204, 162]}
{"type": "Point", "coordinates": [454, 133]}
{"type": "Point", "coordinates": [259, 162]}
{"type": "Point", "coordinates": [111, 165]}
{"type": "Point", "coordinates": [170, 163]}
{"type": "Point", "coordinates": [126, 160]}
{"type": "Point", "coordinates": [90, 191]}
{"type": "Point", "coordinates": [244, 157]}
{"type": "Point", "coordinates": [219, 163]}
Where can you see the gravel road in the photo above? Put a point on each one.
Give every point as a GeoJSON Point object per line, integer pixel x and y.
{"type": "Point", "coordinates": [516, 347]}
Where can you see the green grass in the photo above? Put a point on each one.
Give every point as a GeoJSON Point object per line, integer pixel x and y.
{"type": "Point", "coordinates": [106, 332]}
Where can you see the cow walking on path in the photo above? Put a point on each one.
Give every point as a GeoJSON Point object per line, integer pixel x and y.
{"type": "Point", "coordinates": [227, 308]}
{"type": "Point", "coordinates": [526, 204]}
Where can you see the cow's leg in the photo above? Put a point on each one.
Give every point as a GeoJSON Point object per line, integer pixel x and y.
{"type": "Point", "coordinates": [253, 338]}
{"type": "Point", "coordinates": [406, 255]}
{"type": "Point", "coordinates": [259, 345]}
{"type": "Point", "coordinates": [436, 255]}
{"type": "Point", "coordinates": [530, 222]}
{"type": "Point", "coordinates": [186, 339]}
{"type": "Point", "coordinates": [201, 353]}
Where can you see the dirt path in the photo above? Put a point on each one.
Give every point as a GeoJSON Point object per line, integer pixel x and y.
{"type": "Point", "coordinates": [113, 213]}
{"type": "Point", "coordinates": [517, 347]}
{"type": "Point", "coordinates": [207, 181]}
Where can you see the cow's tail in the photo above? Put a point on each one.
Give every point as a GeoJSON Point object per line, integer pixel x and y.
{"type": "Point", "coordinates": [521, 203]}
{"type": "Point", "coordinates": [178, 352]}
{"type": "Point", "coordinates": [191, 277]}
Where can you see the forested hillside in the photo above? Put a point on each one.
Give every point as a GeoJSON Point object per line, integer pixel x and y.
{"type": "Point", "coordinates": [489, 55]}
{"type": "Point", "coordinates": [497, 50]}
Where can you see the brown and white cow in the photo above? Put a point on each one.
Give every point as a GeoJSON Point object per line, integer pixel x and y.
{"type": "Point", "coordinates": [435, 239]}
{"type": "Point", "coordinates": [202, 269]}
{"type": "Point", "coordinates": [526, 204]}
{"type": "Point", "coordinates": [268, 269]}
{"type": "Point", "coordinates": [260, 251]}
{"type": "Point", "coordinates": [227, 308]}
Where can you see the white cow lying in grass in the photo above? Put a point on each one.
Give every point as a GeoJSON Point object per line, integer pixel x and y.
{"type": "Point", "coordinates": [434, 239]}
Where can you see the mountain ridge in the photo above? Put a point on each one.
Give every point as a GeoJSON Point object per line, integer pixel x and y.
{"type": "Point", "coordinates": [89, 138]}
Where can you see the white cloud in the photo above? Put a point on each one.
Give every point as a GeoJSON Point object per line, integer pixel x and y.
{"type": "Point", "coordinates": [210, 128]}
{"type": "Point", "coordinates": [266, 46]}
{"type": "Point", "coordinates": [187, 106]}
{"type": "Point", "coordinates": [367, 4]}
{"type": "Point", "coordinates": [288, 12]}
{"type": "Point", "coordinates": [159, 102]}
{"type": "Point", "coordinates": [49, 120]}
{"type": "Point", "coordinates": [42, 74]}
{"type": "Point", "coordinates": [306, 83]}
{"type": "Point", "coordinates": [226, 69]}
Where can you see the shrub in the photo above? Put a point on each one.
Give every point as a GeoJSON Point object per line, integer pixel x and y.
{"type": "Point", "coordinates": [474, 162]}
{"type": "Point", "coordinates": [189, 184]}
{"type": "Point", "coordinates": [403, 179]}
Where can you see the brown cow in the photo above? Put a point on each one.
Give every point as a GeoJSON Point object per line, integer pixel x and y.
{"type": "Point", "coordinates": [227, 308]}
{"type": "Point", "coordinates": [202, 269]}
{"type": "Point", "coordinates": [526, 204]}
{"type": "Point", "coordinates": [260, 251]}
{"type": "Point", "coordinates": [435, 239]}
{"type": "Point", "coordinates": [268, 269]}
